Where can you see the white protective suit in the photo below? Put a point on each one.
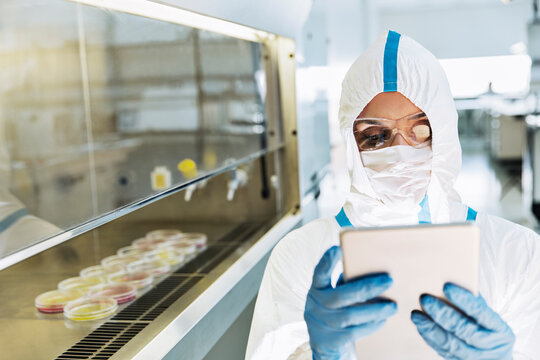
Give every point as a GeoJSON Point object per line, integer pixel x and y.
{"type": "Point", "coordinates": [509, 253]}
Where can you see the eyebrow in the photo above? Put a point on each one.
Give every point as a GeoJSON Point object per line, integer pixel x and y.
{"type": "Point", "coordinates": [418, 115]}
{"type": "Point", "coordinates": [367, 121]}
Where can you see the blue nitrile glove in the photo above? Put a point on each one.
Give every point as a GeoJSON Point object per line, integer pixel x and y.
{"type": "Point", "coordinates": [476, 332]}
{"type": "Point", "coordinates": [336, 317]}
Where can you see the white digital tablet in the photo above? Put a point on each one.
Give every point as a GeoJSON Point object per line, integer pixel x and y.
{"type": "Point", "coordinates": [420, 259]}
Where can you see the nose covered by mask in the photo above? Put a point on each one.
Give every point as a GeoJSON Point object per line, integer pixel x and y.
{"type": "Point", "coordinates": [399, 174]}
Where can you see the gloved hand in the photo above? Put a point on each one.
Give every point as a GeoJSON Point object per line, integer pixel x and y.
{"type": "Point", "coordinates": [476, 332]}
{"type": "Point", "coordinates": [336, 317]}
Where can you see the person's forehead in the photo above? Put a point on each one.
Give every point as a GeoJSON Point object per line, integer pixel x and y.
{"type": "Point", "coordinates": [389, 105]}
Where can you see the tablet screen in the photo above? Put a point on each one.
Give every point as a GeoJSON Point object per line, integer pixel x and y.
{"type": "Point", "coordinates": [420, 260]}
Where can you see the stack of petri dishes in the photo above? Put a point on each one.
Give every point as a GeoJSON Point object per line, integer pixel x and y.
{"type": "Point", "coordinates": [100, 289]}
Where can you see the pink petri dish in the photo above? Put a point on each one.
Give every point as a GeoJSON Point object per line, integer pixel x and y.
{"type": "Point", "coordinates": [148, 244]}
{"type": "Point", "coordinates": [116, 261]}
{"type": "Point", "coordinates": [154, 267]}
{"type": "Point", "coordinates": [185, 247]}
{"type": "Point", "coordinates": [55, 300]}
{"type": "Point", "coordinates": [198, 239]}
{"type": "Point", "coordinates": [162, 233]}
{"type": "Point", "coordinates": [139, 279]}
{"type": "Point", "coordinates": [122, 293]}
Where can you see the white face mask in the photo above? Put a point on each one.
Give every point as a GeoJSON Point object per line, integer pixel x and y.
{"type": "Point", "coordinates": [399, 174]}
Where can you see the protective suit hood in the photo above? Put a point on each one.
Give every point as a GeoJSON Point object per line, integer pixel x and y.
{"type": "Point", "coordinates": [398, 63]}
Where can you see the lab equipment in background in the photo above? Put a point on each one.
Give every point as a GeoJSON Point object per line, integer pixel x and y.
{"type": "Point", "coordinates": [533, 49]}
{"type": "Point", "coordinates": [188, 168]}
{"type": "Point", "coordinates": [531, 165]}
{"type": "Point", "coordinates": [161, 178]}
{"type": "Point", "coordinates": [507, 137]}
{"type": "Point", "coordinates": [237, 178]}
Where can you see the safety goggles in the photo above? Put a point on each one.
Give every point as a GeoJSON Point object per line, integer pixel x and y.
{"type": "Point", "coordinates": [377, 133]}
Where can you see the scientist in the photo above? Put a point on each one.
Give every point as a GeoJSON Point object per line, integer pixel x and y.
{"type": "Point", "coordinates": [399, 124]}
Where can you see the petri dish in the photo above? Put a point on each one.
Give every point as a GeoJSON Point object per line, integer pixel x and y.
{"type": "Point", "coordinates": [162, 233]}
{"type": "Point", "coordinates": [116, 261]}
{"type": "Point", "coordinates": [90, 308]}
{"type": "Point", "coordinates": [54, 301]}
{"type": "Point", "coordinates": [99, 271]}
{"type": "Point", "coordinates": [154, 267]}
{"type": "Point", "coordinates": [139, 279]}
{"type": "Point", "coordinates": [122, 293]}
{"type": "Point", "coordinates": [146, 243]}
{"type": "Point", "coordinates": [133, 250]}
{"type": "Point", "coordinates": [80, 283]}
{"type": "Point", "coordinates": [198, 239]}
{"type": "Point", "coordinates": [186, 247]}
{"type": "Point", "coordinates": [168, 254]}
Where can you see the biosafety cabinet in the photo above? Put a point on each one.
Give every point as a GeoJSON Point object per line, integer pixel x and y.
{"type": "Point", "coordinates": [142, 146]}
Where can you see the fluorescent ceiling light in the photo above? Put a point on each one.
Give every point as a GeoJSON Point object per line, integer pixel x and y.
{"type": "Point", "coordinates": [470, 77]}
{"type": "Point", "coordinates": [175, 15]}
